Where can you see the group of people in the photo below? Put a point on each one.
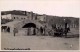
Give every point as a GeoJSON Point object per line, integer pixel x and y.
{"type": "Point", "coordinates": [57, 31]}
{"type": "Point", "coordinates": [60, 31]}
{"type": "Point", "coordinates": [32, 31]}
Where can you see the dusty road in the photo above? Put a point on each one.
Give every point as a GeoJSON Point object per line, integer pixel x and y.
{"type": "Point", "coordinates": [39, 42]}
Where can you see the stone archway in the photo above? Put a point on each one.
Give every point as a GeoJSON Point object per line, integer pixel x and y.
{"type": "Point", "coordinates": [31, 28]}
{"type": "Point", "coordinates": [29, 25]}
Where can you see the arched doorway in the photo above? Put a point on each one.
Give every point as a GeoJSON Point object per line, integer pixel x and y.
{"type": "Point", "coordinates": [31, 28]}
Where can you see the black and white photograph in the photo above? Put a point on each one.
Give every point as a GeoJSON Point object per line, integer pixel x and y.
{"type": "Point", "coordinates": [40, 25]}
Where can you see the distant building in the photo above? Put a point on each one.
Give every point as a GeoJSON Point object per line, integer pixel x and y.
{"type": "Point", "coordinates": [14, 15]}
{"type": "Point", "coordinates": [50, 20]}
{"type": "Point", "coordinates": [21, 15]}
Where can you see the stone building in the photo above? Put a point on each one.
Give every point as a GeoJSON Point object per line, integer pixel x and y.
{"type": "Point", "coordinates": [24, 21]}
{"type": "Point", "coordinates": [21, 15]}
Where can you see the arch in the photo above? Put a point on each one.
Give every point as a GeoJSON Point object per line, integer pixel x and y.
{"type": "Point", "coordinates": [29, 25]}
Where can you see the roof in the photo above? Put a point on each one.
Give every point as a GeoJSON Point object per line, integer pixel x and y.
{"type": "Point", "coordinates": [15, 12]}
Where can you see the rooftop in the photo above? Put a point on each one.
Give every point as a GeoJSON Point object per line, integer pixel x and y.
{"type": "Point", "coordinates": [15, 12]}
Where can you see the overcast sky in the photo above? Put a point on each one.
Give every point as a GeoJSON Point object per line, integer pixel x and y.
{"type": "Point", "coordinates": [50, 7]}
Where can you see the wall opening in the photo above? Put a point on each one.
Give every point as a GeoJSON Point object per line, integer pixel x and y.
{"type": "Point", "coordinates": [29, 25]}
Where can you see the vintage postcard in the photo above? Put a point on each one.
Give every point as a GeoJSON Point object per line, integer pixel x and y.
{"type": "Point", "coordinates": [40, 25]}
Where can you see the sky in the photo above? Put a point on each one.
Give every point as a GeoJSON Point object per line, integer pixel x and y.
{"type": "Point", "coordinates": [69, 8]}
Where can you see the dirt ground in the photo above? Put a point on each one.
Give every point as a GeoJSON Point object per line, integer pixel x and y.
{"type": "Point", "coordinates": [38, 42]}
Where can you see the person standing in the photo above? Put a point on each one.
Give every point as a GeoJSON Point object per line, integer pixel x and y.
{"type": "Point", "coordinates": [15, 31]}
{"type": "Point", "coordinates": [65, 30]}
{"type": "Point", "coordinates": [44, 31]}
{"type": "Point", "coordinates": [41, 30]}
{"type": "Point", "coordinates": [8, 29]}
